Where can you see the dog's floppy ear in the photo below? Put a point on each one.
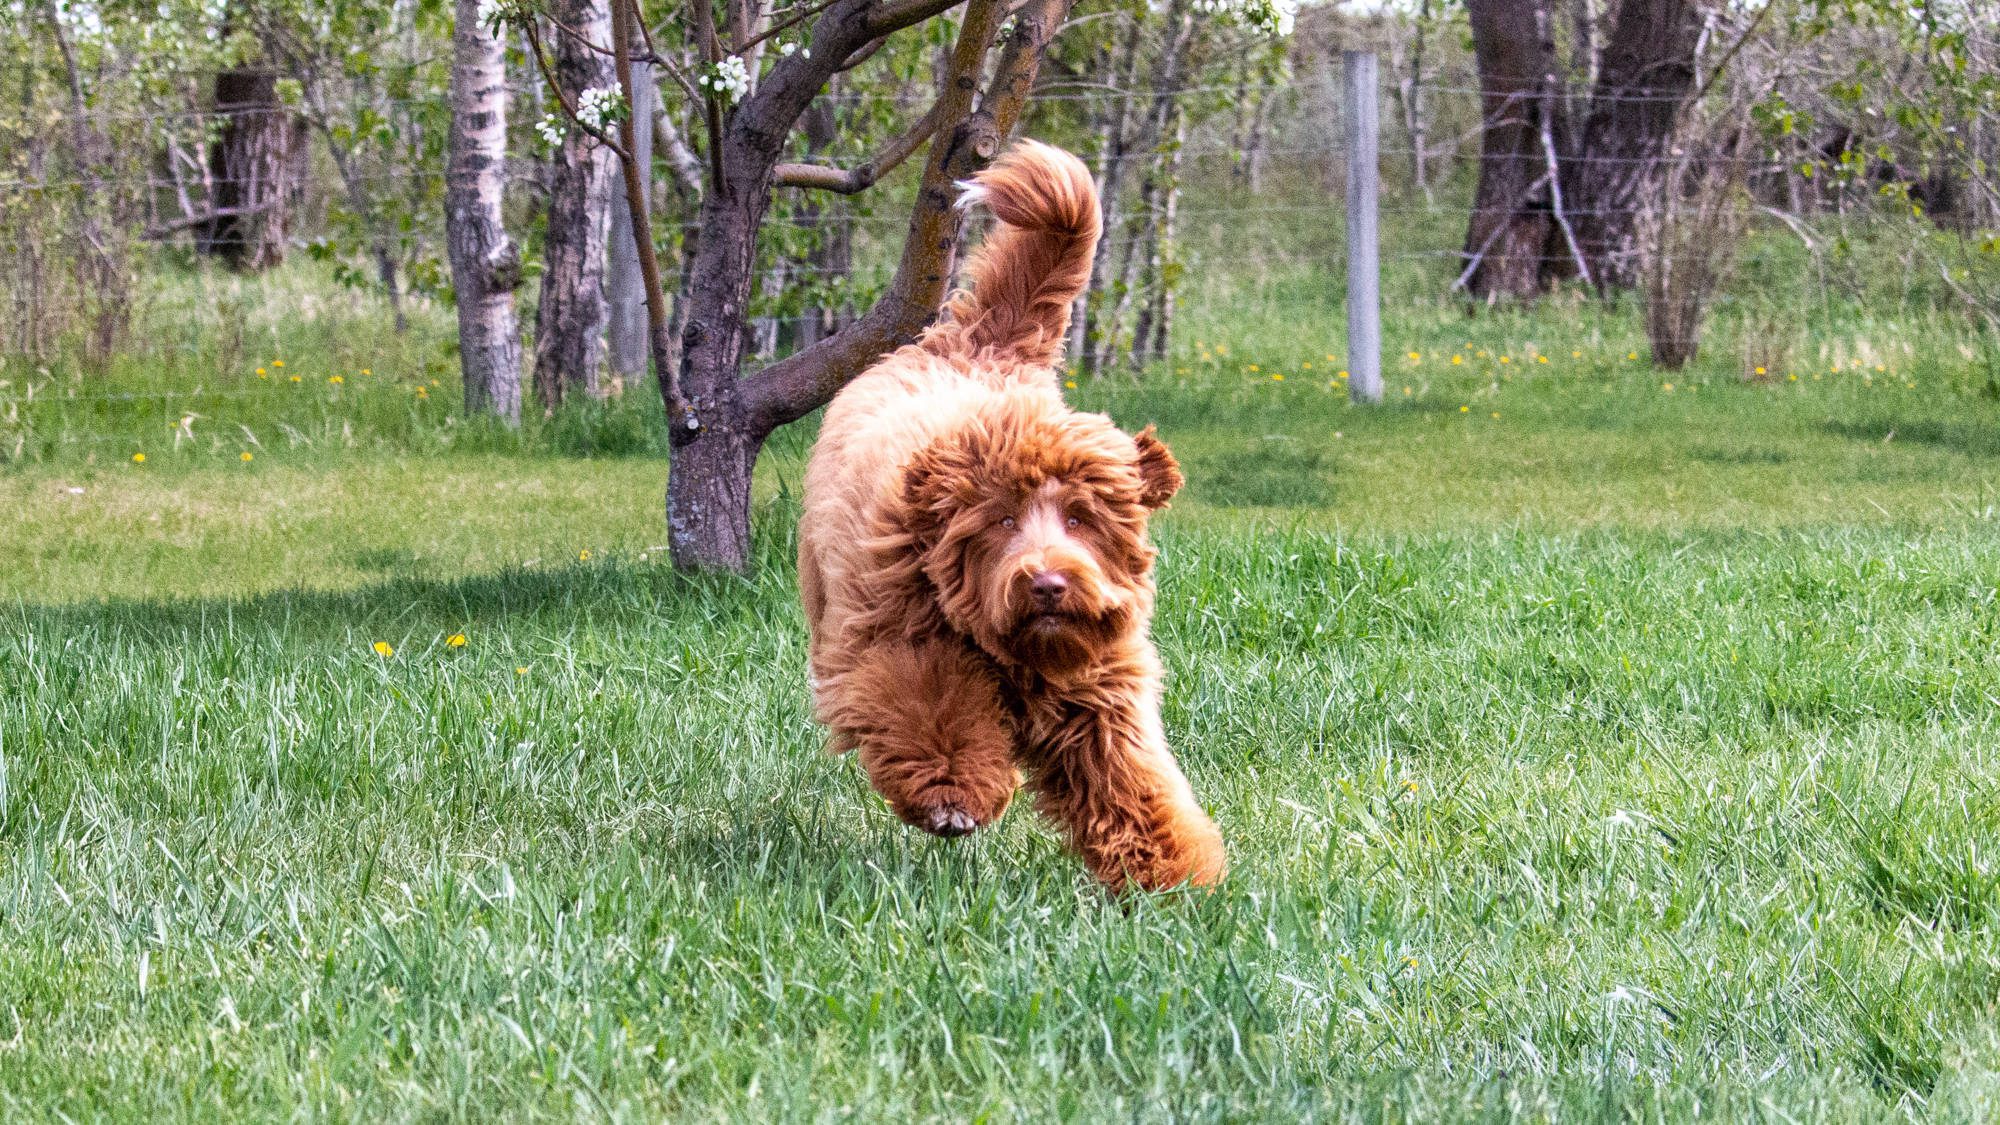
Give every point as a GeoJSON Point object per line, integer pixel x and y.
{"type": "Point", "coordinates": [932, 482]}
{"type": "Point", "coordinates": [1159, 474]}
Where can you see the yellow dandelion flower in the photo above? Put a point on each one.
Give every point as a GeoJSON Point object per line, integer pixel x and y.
{"type": "Point", "coordinates": [456, 640]}
{"type": "Point", "coordinates": [1496, 414]}
{"type": "Point", "coordinates": [1482, 353]}
{"type": "Point", "coordinates": [1465, 410]}
{"type": "Point", "coordinates": [1879, 367]}
{"type": "Point", "coordinates": [1911, 385]}
{"type": "Point", "coordinates": [1070, 383]}
{"type": "Point", "coordinates": [1251, 367]}
{"type": "Point", "coordinates": [583, 555]}
{"type": "Point", "coordinates": [1416, 357]}
{"type": "Point", "coordinates": [295, 378]}
{"type": "Point", "coordinates": [335, 380]}
{"type": "Point", "coordinates": [1667, 387]}
{"type": "Point", "coordinates": [138, 458]}
{"type": "Point", "coordinates": [1277, 376]}
{"type": "Point", "coordinates": [384, 648]}
{"type": "Point", "coordinates": [1406, 390]}
{"type": "Point", "coordinates": [520, 670]}
{"type": "Point", "coordinates": [1541, 359]}
{"type": "Point", "coordinates": [1330, 359]}
{"type": "Point", "coordinates": [1306, 366]}
{"type": "Point", "coordinates": [1457, 360]}
{"type": "Point", "coordinates": [1791, 378]}
{"type": "Point", "coordinates": [260, 373]}
{"type": "Point", "coordinates": [1576, 354]}
{"type": "Point", "coordinates": [277, 363]}
{"type": "Point", "coordinates": [244, 457]}
{"type": "Point", "coordinates": [365, 371]}
{"type": "Point", "coordinates": [1506, 359]}
{"type": "Point", "coordinates": [1631, 355]}
{"type": "Point", "coordinates": [1222, 349]}
{"type": "Point", "coordinates": [1760, 371]}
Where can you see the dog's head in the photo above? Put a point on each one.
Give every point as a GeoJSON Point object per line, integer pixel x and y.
{"type": "Point", "coordinates": [1031, 525]}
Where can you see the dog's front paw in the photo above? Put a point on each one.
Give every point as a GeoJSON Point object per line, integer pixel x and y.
{"type": "Point", "coordinates": [948, 821]}
{"type": "Point", "coordinates": [951, 810]}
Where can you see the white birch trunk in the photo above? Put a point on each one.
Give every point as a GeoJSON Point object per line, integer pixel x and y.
{"type": "Point", "coordinates": [485, 263]}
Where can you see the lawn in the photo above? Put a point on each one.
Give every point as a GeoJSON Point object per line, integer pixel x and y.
{"type": "Point", "coordinates": [1590, 742]}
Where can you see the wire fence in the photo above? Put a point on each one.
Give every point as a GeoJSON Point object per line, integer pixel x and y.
{"type": "Point", "coordinates": [1247, 185]}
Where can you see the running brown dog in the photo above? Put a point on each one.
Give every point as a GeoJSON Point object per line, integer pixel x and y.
{"type": "Point", "coordinates": [975, 567]}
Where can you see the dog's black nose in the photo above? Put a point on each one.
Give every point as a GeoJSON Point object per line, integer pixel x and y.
{"type": "Point", "coordinates": [1049, 588]}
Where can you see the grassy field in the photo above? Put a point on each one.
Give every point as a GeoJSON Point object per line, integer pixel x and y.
{"type": "Point", "coordinates": [1591, 742]}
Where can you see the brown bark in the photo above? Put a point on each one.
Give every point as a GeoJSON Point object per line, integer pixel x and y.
{"type": "Point", "coordinates": [1644, 78]}
{"type": "Point", "coordinates": [572, 314]}
{"type": "Point", "coordinates": [1512, 229]}
{"type": "Point", "coordinates": [728, 418]}
{"type": "Point", "coordinates": [255, 167]}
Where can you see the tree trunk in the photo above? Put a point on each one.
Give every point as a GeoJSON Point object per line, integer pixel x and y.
{"type": "Point", "coordinates": [255, 166]}
{"type": "Point", "coordinates": [485, 263]}
{"type": "Point", "coordinates": [1512, 227]}
{"type": "Point", "coordinates": [1417, 125]}
{"type": "Point", "coordinates": [727, 418]}
{"type": "Point", "coordinates": [1643, 80]}
{"type": "Point", "coordinates": [625, 288]}
{"type": "Point", "coordinates": [571, 317]}
{"type": "Point", "coordinates": [1093, 337]}
{"type": "Point", "coordinates": [1150, 337]}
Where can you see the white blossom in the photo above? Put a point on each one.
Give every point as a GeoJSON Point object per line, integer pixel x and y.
{"type": "Point", "coordinates": [787, 50]}
{"type": "Point", "coordinates": [491, 14]}
{"type": "Point", "coordinates": [730, 79]}
{"type": "Point", "coordinates": [551, 130]}
{"type": "Point", "coordinates": [599, 107]}
{"type": "Point", "coordinates": [1272, 17]}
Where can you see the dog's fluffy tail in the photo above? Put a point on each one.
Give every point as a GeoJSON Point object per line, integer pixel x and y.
{"type": "Point", "coordinates": [1032, 267]}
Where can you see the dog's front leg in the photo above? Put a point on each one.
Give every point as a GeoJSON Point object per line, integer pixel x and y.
{"type": "Point", "coordinates": [931, 733]}
{"type": "Point", "coordinates": [1100, 767]}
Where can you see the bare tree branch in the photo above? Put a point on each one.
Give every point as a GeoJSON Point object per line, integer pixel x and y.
{"type": "Point", "coordinates": [899, 14]}
{"type": "Point", "coordinates": [863, 176]}
{"type": "Point", "coordinates": [798, 384]}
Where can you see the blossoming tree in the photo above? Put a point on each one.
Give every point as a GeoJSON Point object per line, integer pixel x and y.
{"type": "Point", "coordinates": [761, 69]}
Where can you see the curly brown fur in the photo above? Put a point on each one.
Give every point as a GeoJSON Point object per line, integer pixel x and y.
{"type": "Point", "coordinates": [975, 567]}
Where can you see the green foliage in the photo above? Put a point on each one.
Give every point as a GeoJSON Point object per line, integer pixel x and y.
{"type": "Point", "coordinates": [1626, 754]}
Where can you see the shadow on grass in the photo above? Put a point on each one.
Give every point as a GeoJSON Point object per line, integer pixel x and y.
{"type": "Point", "coordinates": [605, 591]}
{"type": "Point", "coordinates": [1972, 438]}
{"type": "Point", "coordinates": [1273, 474]}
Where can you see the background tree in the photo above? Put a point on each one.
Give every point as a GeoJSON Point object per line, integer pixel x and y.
{"type": "Point", "coordinates": [1645, 75]}
{"type": "Point", "coordinates": [485, 263]}
{"type": "Point", "coordinates": [254, 168]}
{"type": "Point", "coordinates": [718, 419]}
{"type": "Point", "coordinates": [1512, 233]}
{"type": "Point", "coordinates": [572, 313]}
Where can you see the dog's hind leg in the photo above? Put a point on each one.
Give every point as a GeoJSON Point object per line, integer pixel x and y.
{"type": "Point", "coordinates": [932, 735]}
{"type": "Point", "coordinates": [1099, 765]}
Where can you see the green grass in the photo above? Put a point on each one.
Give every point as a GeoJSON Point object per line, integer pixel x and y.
{"type": "Point", "coordinates": [1630, 754]}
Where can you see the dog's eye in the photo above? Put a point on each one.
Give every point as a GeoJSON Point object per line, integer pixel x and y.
{"type": "Point", "coordinates": [1074, 522]}
{"type": "Point", "coordinates": [1006, 521]}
